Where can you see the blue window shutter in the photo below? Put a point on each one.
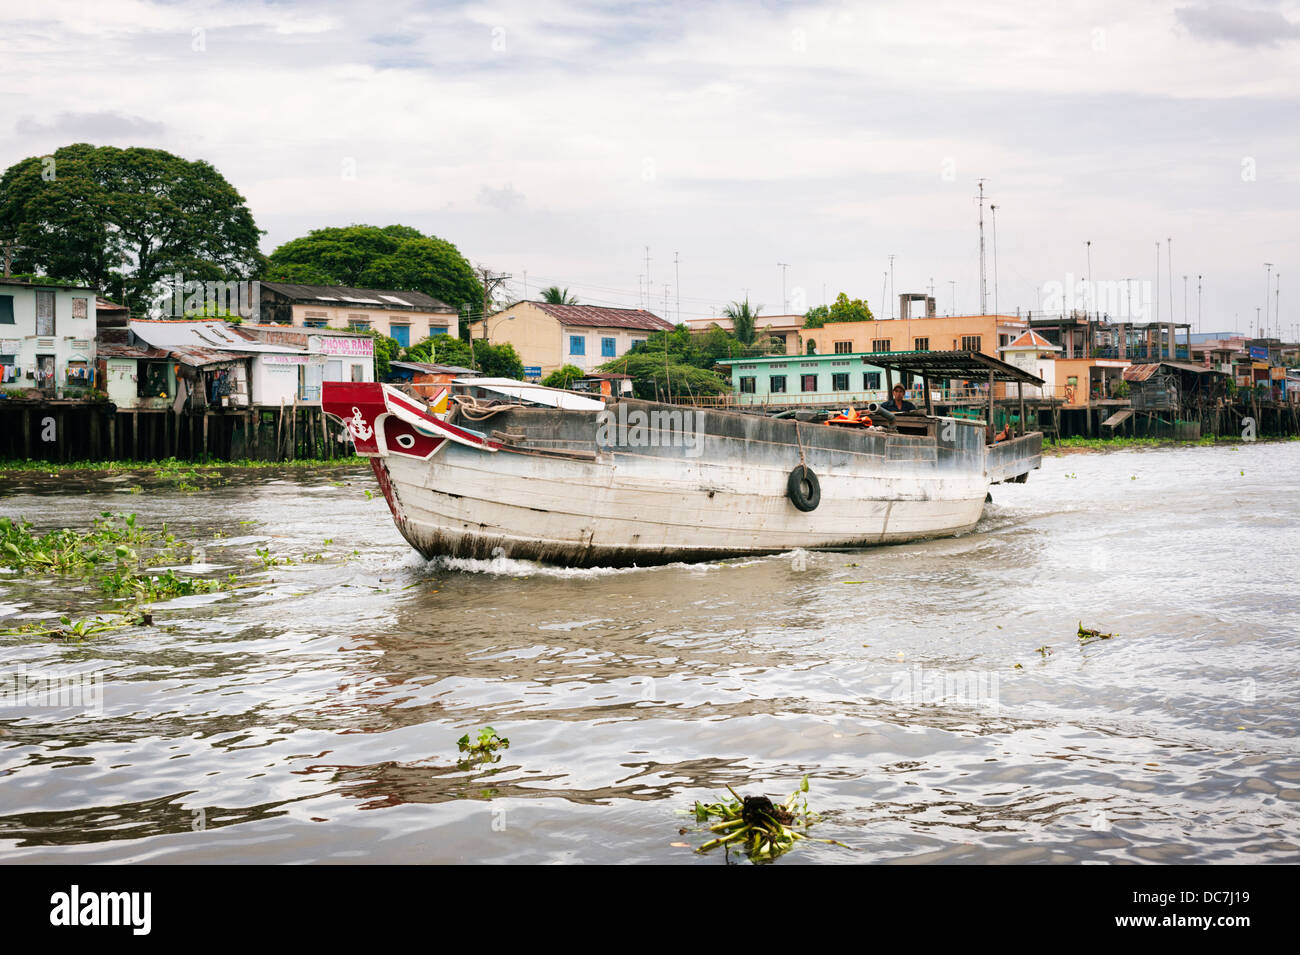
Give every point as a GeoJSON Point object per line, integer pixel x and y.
{"type": "Point", "coordinates": [607, 348]}
{"type": "Point", "coordinates": [401, 334]}
{"type": "Point", "coordinates": [577, 345]}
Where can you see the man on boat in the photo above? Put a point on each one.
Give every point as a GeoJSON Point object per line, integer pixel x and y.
{"type": "Point", "coordinates": [898, 404]}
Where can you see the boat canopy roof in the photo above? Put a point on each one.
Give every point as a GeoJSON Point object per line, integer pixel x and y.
{"type": "Point", "coordinates": [524, 391]}
{"type": "Point", "coordinates": [954, 364]}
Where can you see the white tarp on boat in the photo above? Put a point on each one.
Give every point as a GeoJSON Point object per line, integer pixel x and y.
{"type": "Point", "coordinates": [550, 397]}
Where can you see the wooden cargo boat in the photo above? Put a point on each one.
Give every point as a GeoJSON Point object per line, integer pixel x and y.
{"type": "Point", "coordinates": [635, 482]}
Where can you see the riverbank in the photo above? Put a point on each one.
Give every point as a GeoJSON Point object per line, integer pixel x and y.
{"type": "Point", "coordinates": [1095, 445]}
{"type": "Point", "coordinates": [170, 464]}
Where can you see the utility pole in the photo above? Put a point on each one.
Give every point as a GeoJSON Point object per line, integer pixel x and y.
{"type": "Point", "coordinates": [785, 302]}
{"type": "Point", "coordinates": [1157, 316]}
{"type": "Point", "coordinates": [1169, 263]}
{"type": "Point", "coordinates": [1091, 294]}
{"type": "Point", "coordinates": [1268, 284]}
{"type": "Point", "coordinates": [993, 211]}
{"type": "Point", "coordinates": [491, 282]}
{"type": "Point", "coordinates": [677, 274]}
{"type": "Point", "coordinates": [648, 286]}
{"type": "Point", "coordinates": [1199, 326]}
{"type": "Point", "coordinates": [953, 283]}
{"type": "Point", "coordinates": [666, 312]}
{"type": "Point", "coordinates": [893, 292]}
{"type": "Point", "coordinates": [1185, 301]}
{"type": "Point", "coordinates": [983, 284]}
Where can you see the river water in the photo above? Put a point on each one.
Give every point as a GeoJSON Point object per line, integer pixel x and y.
{"type": "Point", "coordinates": [936, 694]}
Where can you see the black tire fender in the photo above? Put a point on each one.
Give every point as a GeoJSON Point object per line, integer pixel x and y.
{"type": "Point", "coordinates": [803, 489]}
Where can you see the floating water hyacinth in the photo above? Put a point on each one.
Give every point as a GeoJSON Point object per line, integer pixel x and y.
{"type": "Point", "coordinates": [761, 828]}
{"type": "Point", "coordinates": [1086, 634]}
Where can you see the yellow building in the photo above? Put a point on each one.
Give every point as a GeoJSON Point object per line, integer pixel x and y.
{"type": "Point", "coordinates": [980, 333]}
{"type": "Point", "coordinates": [785, 328]}
{"type": "Point", "coordinates": [407, 317]}
{"type": "Point", "coordinates": [549, 336]}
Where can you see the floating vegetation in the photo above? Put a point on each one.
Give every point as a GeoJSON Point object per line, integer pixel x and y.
{"type": "Point", "coordinates": [114, 548]}
{"type": "Point", "coordinates": [1086, 634]}
{"type": "Point", "coordinates": [146, 588]}
{"type": "Point", "coordinates": [69, 629]}
{"type": "Point", "coordinates": [112, 538]}
{"type": "Point", "coordinates": [762, 829]}
{"type": "Point", "coordinates": [484, 748]}
{"type": "Point", "coordinates": [264, 555]}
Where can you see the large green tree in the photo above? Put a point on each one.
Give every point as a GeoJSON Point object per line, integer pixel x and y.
{"type": "Point", "coordinates": [495, 361]}
{"type": "Point", "coordinates": [843, 309]}
{"type": "Point", "coordinates": [367, 256]}
{"type": "Point", "coordinates": [114, 217]}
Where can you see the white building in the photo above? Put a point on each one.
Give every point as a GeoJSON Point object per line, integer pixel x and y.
{"type": "Point", "coordinates": [47, 337]}
{"type": "Point", "coordinates": [1033, 353]}
{"type": "Point", "coordinates": [239, 366]}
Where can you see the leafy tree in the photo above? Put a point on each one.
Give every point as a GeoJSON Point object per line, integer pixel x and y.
{"type": "Point", "coordinates": [742, 319]}
{"type": "Point", "coordinates": [495, 361]}
{"type": "Point", "coordinates": [843, 309]}
{"type": "Point", "coordinates": [558, 296]}
{"type": "Point", "coordinates": [111, 217]}
{"type": "Point", "coordinates": [367, 256]}
{"type": "Point", "coordinates": [652, 377]}
{"type": "Point", "coordinates": [562, 377]}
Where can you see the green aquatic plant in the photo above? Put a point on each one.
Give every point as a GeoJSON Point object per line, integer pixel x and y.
{"type": "Point", "coordinates": [1086, 634]}
{"type": "Point", "coordinates": [68, 629]}
{"type": "Point", "coordinates": [761, 828]}
{"type": "Point", "coordinates": [486, 745]}
{"type": "Point", "coordinates": [264, 555]}
{"type": "Point", "coordinates": [140, 588]}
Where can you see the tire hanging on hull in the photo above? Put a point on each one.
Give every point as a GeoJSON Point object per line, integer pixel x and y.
{"type": "Point", "coordinates": [803, 489]}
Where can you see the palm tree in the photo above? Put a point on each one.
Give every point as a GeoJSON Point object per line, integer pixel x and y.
{"type": "Point", "coordinates": [558, 296]}
{"type": "Point", "coordinates": [742, 320]}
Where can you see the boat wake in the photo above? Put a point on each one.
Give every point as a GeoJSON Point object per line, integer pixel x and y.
{"type": "Point", "coordinates": [510, 567]}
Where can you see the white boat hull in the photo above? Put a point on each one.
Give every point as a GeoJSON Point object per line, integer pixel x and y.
{"type": "Point", "coordinates": [619, 506]}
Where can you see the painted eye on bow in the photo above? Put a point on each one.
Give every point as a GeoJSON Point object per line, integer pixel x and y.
{"type": "Point", "coordinates": [406, 441]}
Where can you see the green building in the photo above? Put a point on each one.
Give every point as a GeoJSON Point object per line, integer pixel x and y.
{"type": "Point", "coordinates": [809, 379]}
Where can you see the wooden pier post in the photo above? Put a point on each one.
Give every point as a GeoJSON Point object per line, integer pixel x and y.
{"type": "Point", "coordinates": [990, 421]}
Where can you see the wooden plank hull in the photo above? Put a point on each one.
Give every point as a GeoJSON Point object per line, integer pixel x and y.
{"type": "Point", "coordinates": [714, 485]}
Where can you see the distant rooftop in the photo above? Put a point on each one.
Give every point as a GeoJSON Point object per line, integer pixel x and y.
{"type": "Point", "coordinates": [595, 316]}
{"type": "Point", "coordinates": [342, 295]}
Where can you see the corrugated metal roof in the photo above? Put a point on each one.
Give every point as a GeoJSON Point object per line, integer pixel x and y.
{"type": "Point", "coordinates": [121, 350]}
{"type": "Point", "coordinates": [1143, 372]}
{"type": "Point", "coordinates": [433, 369]}
{"type": "Point", "coordinates": [343, 295]}
{"type": "Point", "coordinates": [597, 316]}
{"type": "Point", "coordinates": [201, 357]}
{"type": "Point", "coordinates": [205, 334]}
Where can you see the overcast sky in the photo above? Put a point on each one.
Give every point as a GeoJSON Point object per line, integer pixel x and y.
{"type": "Point", "coordinates": [562, 138]}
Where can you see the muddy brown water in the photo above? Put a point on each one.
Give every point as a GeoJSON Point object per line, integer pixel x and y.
{"type": "Point", "coordinates": [935, 693]}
